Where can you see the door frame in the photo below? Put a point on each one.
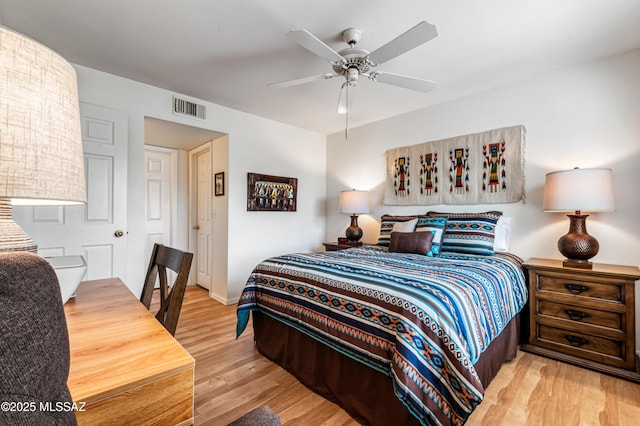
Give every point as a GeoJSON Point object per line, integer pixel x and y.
{"type": "Point", "coordinates": [193, 240]}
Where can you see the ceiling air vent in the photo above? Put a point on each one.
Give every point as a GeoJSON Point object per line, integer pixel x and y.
{"type": "Point", "coordinates": [189, 109]}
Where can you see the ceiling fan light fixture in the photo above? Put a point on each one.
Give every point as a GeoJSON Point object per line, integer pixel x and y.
{"type": "Point", "coordinates": [352, 75]}
{"type": "Point", "coordinates": [345, 99]}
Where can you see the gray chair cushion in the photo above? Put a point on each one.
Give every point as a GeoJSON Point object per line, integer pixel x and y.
{"type": "Point", "coordinates": [261, 416]}
{"type": "Point", "coordinates": [34, 343]}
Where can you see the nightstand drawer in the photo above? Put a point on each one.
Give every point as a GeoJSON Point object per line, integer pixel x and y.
{"type": "Point", "coordinates": [613, 290]}
{"type": "Point", "coordinates": [584, 315]}
{"type": "Point", "coordinates": [599, 349]}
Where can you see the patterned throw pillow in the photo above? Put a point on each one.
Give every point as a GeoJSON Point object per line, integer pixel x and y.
{"type": "Point", "coordinates": [469, 233]}
{"type": "Point", "coordinates": [436, 226]}
{"type": "Point", "coordinates": [386, 226]}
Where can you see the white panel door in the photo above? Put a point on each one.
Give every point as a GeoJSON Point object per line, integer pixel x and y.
{"type": "Point", "coordinates": [160, 180]}
{"type": "Point", "coordinates": [203, 217]}
{"type": "Point", "coordinates": [96, 230]}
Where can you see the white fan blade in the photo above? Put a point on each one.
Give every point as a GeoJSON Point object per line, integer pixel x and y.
{"type": "Point", "coordinates": [421, 33]}
{"type": "Point", "coordinates": [403, 81]}
{"type": "Point", "coordinates": [310, 42]}
{"type": "Point", "coordinates": [346, 98]}
{"type": "Point", "coordinates": [303, 80]}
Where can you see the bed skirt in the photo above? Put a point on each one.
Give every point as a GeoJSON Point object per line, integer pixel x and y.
{"type": "Point", "coordinates": [366, 394]}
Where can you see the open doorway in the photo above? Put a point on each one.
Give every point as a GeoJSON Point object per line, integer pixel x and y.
{"type": "Point", "coordinates": [179, 140]}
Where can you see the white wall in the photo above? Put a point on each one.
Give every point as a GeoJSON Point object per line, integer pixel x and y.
{"type": "Point", "coordinates": [254, 236]}
{"type": "Point", "coordinates": [586, 115]}
{"type": "Point", "coordinates": [220, 245]}
{"type": "Point", "coordinates": [181, 237]}
{"type": "Point", "coordinates": [255, 145]}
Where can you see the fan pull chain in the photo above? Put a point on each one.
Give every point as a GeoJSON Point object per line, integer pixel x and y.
{"type": "Point", "coordinates": [346, 130]}
{"type": "Point", "coordinates": [346, 119]}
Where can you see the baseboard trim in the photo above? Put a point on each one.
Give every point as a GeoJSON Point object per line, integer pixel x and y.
{"type": "Point", "coordinates": [224, 300]}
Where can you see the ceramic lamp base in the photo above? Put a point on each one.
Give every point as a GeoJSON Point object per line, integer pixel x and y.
{"type": "Point", "coordinates": [577, 245]}
{"type": "Point", "coordinates": [354, 232]}
{"type": "Point", "coordinates": [12, 237]}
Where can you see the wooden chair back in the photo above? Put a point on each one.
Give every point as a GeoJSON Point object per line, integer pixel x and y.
{"type": "Point", "coordinates": [163, 258]}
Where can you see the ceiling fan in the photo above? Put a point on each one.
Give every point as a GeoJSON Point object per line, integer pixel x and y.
{"type": "Point", "coordinates": [352, 63]}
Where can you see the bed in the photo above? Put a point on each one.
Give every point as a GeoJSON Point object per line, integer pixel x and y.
{"type": "Point", "coordinates": [392, 337]}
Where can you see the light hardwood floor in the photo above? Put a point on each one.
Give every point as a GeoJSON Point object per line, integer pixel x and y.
{"type": "Point", "coordinates": [232, 378]}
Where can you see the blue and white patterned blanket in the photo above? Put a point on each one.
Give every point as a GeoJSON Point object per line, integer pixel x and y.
{"type": "Point", "coordinates": [423, 321]}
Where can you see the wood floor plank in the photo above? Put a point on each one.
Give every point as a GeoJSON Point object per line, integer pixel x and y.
{"type": "Point", "coordinates": [232, 378]}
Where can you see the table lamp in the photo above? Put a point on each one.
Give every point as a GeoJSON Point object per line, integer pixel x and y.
{"type": "Point", "coordinates": [41, 160]}
{"type": "Point", "coordinates": [354, 203]}
{"type": "Point", "coordinates": [578, 190]}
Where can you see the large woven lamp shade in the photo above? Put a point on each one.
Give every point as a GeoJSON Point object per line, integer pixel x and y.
{"type": "Point", "coordinates": [41, 160]}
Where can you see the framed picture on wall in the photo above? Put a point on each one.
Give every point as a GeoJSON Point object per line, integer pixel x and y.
{"type": "Point", "coordinates": [218, 184]}
{"type": "Point", "coordinates": [271, 193]}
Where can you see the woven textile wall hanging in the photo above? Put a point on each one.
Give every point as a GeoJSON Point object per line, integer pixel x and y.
{"type": "Point", "coordinates": [481, 168]}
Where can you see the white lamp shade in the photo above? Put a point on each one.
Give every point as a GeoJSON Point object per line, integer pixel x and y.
{"type": "Point", "coordinates": [354, 202]}
{"type": "Point", "coordinates": [588, 190]}
{"type": "Point", "coordinates": [41, 160]}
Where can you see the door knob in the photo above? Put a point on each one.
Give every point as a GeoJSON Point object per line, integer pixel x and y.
{"type": "Point", "coordinates": [196, 227]}
{"type": "Point", "coordinates": [118, 233]}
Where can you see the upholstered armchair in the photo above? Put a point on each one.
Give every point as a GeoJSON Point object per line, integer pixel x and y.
{"type": "Point", "coordinates": [34, 344]}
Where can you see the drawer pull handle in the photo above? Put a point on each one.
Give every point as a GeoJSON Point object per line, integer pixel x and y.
{"type": "Point", "coordinates": [576, 315]}
{"type": "Point", "coordinates": [576, 288]}
{"type": "Point", "coordinates": [575, 340]}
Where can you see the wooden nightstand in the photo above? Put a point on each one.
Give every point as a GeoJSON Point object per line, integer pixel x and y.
{"type": "Point", "coordinates": [335, 246]}
{"type": "Point", "coordinates": [584, 316]}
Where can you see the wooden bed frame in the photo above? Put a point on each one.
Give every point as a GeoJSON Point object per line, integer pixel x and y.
{"type": "Point", "coordinates": [366, 394]}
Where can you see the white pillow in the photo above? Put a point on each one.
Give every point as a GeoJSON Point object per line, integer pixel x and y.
{"type": "Point", "coordinates": [502, 234]}
{"type": "Point", "coordinates": [408, 226]}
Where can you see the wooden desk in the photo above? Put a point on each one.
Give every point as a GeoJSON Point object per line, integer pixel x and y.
{"type": "Point", "coordinates": [124, 365]}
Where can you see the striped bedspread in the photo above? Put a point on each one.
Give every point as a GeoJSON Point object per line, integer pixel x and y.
{"type": "Point", "coordinates": [423, 321]}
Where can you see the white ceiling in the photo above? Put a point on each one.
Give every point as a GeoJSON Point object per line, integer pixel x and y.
{"type": "Point", "coordinates": [228, 51]}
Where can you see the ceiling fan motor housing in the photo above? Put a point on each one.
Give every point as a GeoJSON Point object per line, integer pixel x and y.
{"type": "Point", "coordinates": [353, 59]}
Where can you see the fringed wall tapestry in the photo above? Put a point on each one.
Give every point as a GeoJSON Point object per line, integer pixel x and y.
{"type": "Point", "coordinates": [482, 168]}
